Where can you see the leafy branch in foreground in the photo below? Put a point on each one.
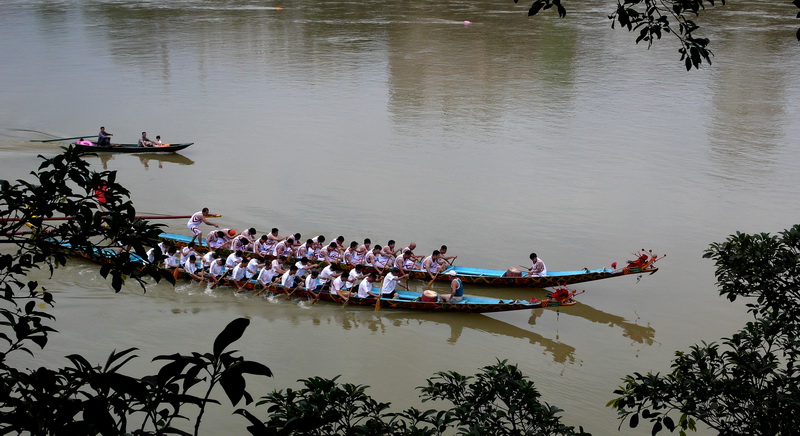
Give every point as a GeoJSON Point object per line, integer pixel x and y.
{"type": "Point", "coordinates": [749, 383]}
{"type": "Point", "coordinates": [499, 400]}
{"type": "Point", "coordinates": [86, 399]}
{"type": "Point", "coordinates": [653, 18]}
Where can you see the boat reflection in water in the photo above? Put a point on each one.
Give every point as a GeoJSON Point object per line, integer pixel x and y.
{"type": "Point", "coordinates": [301, 311]}
{"type": "Point", "coordinates": [147, 159]}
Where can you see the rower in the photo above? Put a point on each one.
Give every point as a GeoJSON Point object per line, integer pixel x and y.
{"type": "Point", "coordinates": [283, 248]}
{"type": "Point", "coordinates": [216, 270]}
{"type": "Point", "coordinates": [104, 138]}
{"type": "Point", "coordinates": [154, 254]}
{"type": "Point", "coordinates": [384, 257]}
{"type": "Point", "coordinates": [356, 274]}
{"type": "Point", "coordinates": [389, 249]}
{"type": "Point", "coordinates": [195, 221]}
{"type": "Point", "coordinates": [288, 278]}
{"type": "Point", "coordinates": [171, 260]}
{"type": "Point", "coordinates": [365, 247]}
{"type": "Point", "coordinates": [250, 234]}
{"type": "Point", "coordinates": [266, 275]}
{"type": "Point", "coordinates": [405, 262]}
{"type": "Point", "coordinates": [349, 257]}
{"type": "Point", "coordinates": [340, 242]}
{"type": "Point", "coordinates": [390, 282]}
{"type": "Point", "coordinates": [209, 258]}
{"type": "Point", "coordinates": [312, 283]}
{"type": "Point", "coordinates": [303, 266]}
{"type": "Point", "coordinates": [252, 267]}
{"type": "Point", "coordinates": [190, 267]}
{"type": "Point", "coordinates": [273, 238]}
{"type": "Point", "coordinates": [238, 276]}
{"type": "Point", "coordinates": [444, 258]}
{"type": "Point", "coordinates": [240, 243]}
{"type": "Point", "coordinates": [187, 251]}
{"type": "Point", "coordinates": [260, 246]}
{"type": "Point", "coordinates": [431, 264]}
{"type": "Point", "coordinates": [329, 273]}
{"type": "Point", "coordinates": [329, 254]}
{"type": "Point", "coordinates": [365, 288]}
{"type": "Point", "coordinates": [305, 251]}
{"type": "Point", "coordinates": [338, 285]}
{"type": "Point", "coordinates": [217, 238]}
{"type": "Point", "coordinates": [372, 257]}
{"type": "Point", "coordinates": [233, 259]}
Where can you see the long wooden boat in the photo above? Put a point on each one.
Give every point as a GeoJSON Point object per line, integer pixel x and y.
{"type": "Point", "coordinates": [132, 148]}
{"type": "Point", "coordinates": [406, 300]}
{"type": "Point", "coordinates": [501, 278]}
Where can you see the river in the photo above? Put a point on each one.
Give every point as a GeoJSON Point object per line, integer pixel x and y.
{"type": "Point", "coordinates": [398, 120]}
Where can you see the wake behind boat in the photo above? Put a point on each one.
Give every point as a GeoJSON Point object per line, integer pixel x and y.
{"type": "Point", "coordinates": [131, 148]}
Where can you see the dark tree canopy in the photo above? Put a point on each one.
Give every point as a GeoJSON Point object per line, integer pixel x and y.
{"type": "Point", "coordinates": [748, 383]}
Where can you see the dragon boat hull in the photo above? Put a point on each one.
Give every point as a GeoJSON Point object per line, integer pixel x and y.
{"type": "Point", "coordinates": [406, 300]}
{"type": "Point", "coordinates": [497, 278]}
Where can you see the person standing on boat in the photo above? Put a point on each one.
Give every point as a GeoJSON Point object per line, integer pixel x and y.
{"type": "Point", "coordinates": [456, 288]}
{"type": "Point", "coordinates": [537, 269]}
{"type": "Point", "coordinates": [195, 221]}
{"type": "Point", "coordinates": [104, 138]}
{"type": "Point", "coordinates": [144, 141]}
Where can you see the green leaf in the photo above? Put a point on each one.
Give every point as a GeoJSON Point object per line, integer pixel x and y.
{"type": "Point", "coordinates": [230, 334]}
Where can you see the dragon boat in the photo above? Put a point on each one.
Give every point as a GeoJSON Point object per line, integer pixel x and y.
{"type": "Point", "coordinates": [406, 300]}
{"type": "Point", "coordinates": [644, 264]}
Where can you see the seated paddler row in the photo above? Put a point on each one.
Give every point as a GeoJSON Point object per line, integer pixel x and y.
{"type": "Point", "coordinates": [240, 271]}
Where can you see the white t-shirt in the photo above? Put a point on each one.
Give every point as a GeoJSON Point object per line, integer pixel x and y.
{"type": "Point", "coordinates": [389, 284]}
{"type": "Point", "coordinates": [287, 280]}
{"type": "Point", "coordinates": [337, 285]}
{"type": "Point", "coordinates": [364, 288]}
{"type": "Point", "coordinates": [312, 283]}
{"type": "Point", "coordinates": [238, 272]}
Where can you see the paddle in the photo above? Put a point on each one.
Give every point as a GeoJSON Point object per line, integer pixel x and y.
{"type": "Point", "coordinates": [263, 289]}
{"type": "Point", "coordinates": [60, 139]}
{"type": "Point", "coordinates": [289, 294]}
{"type": "Point", "coordinates": [430, 283]}
{"type": "Point", "coordinates": [378, 301]}
{"type": "Point", "coordinates": [221, 277]}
